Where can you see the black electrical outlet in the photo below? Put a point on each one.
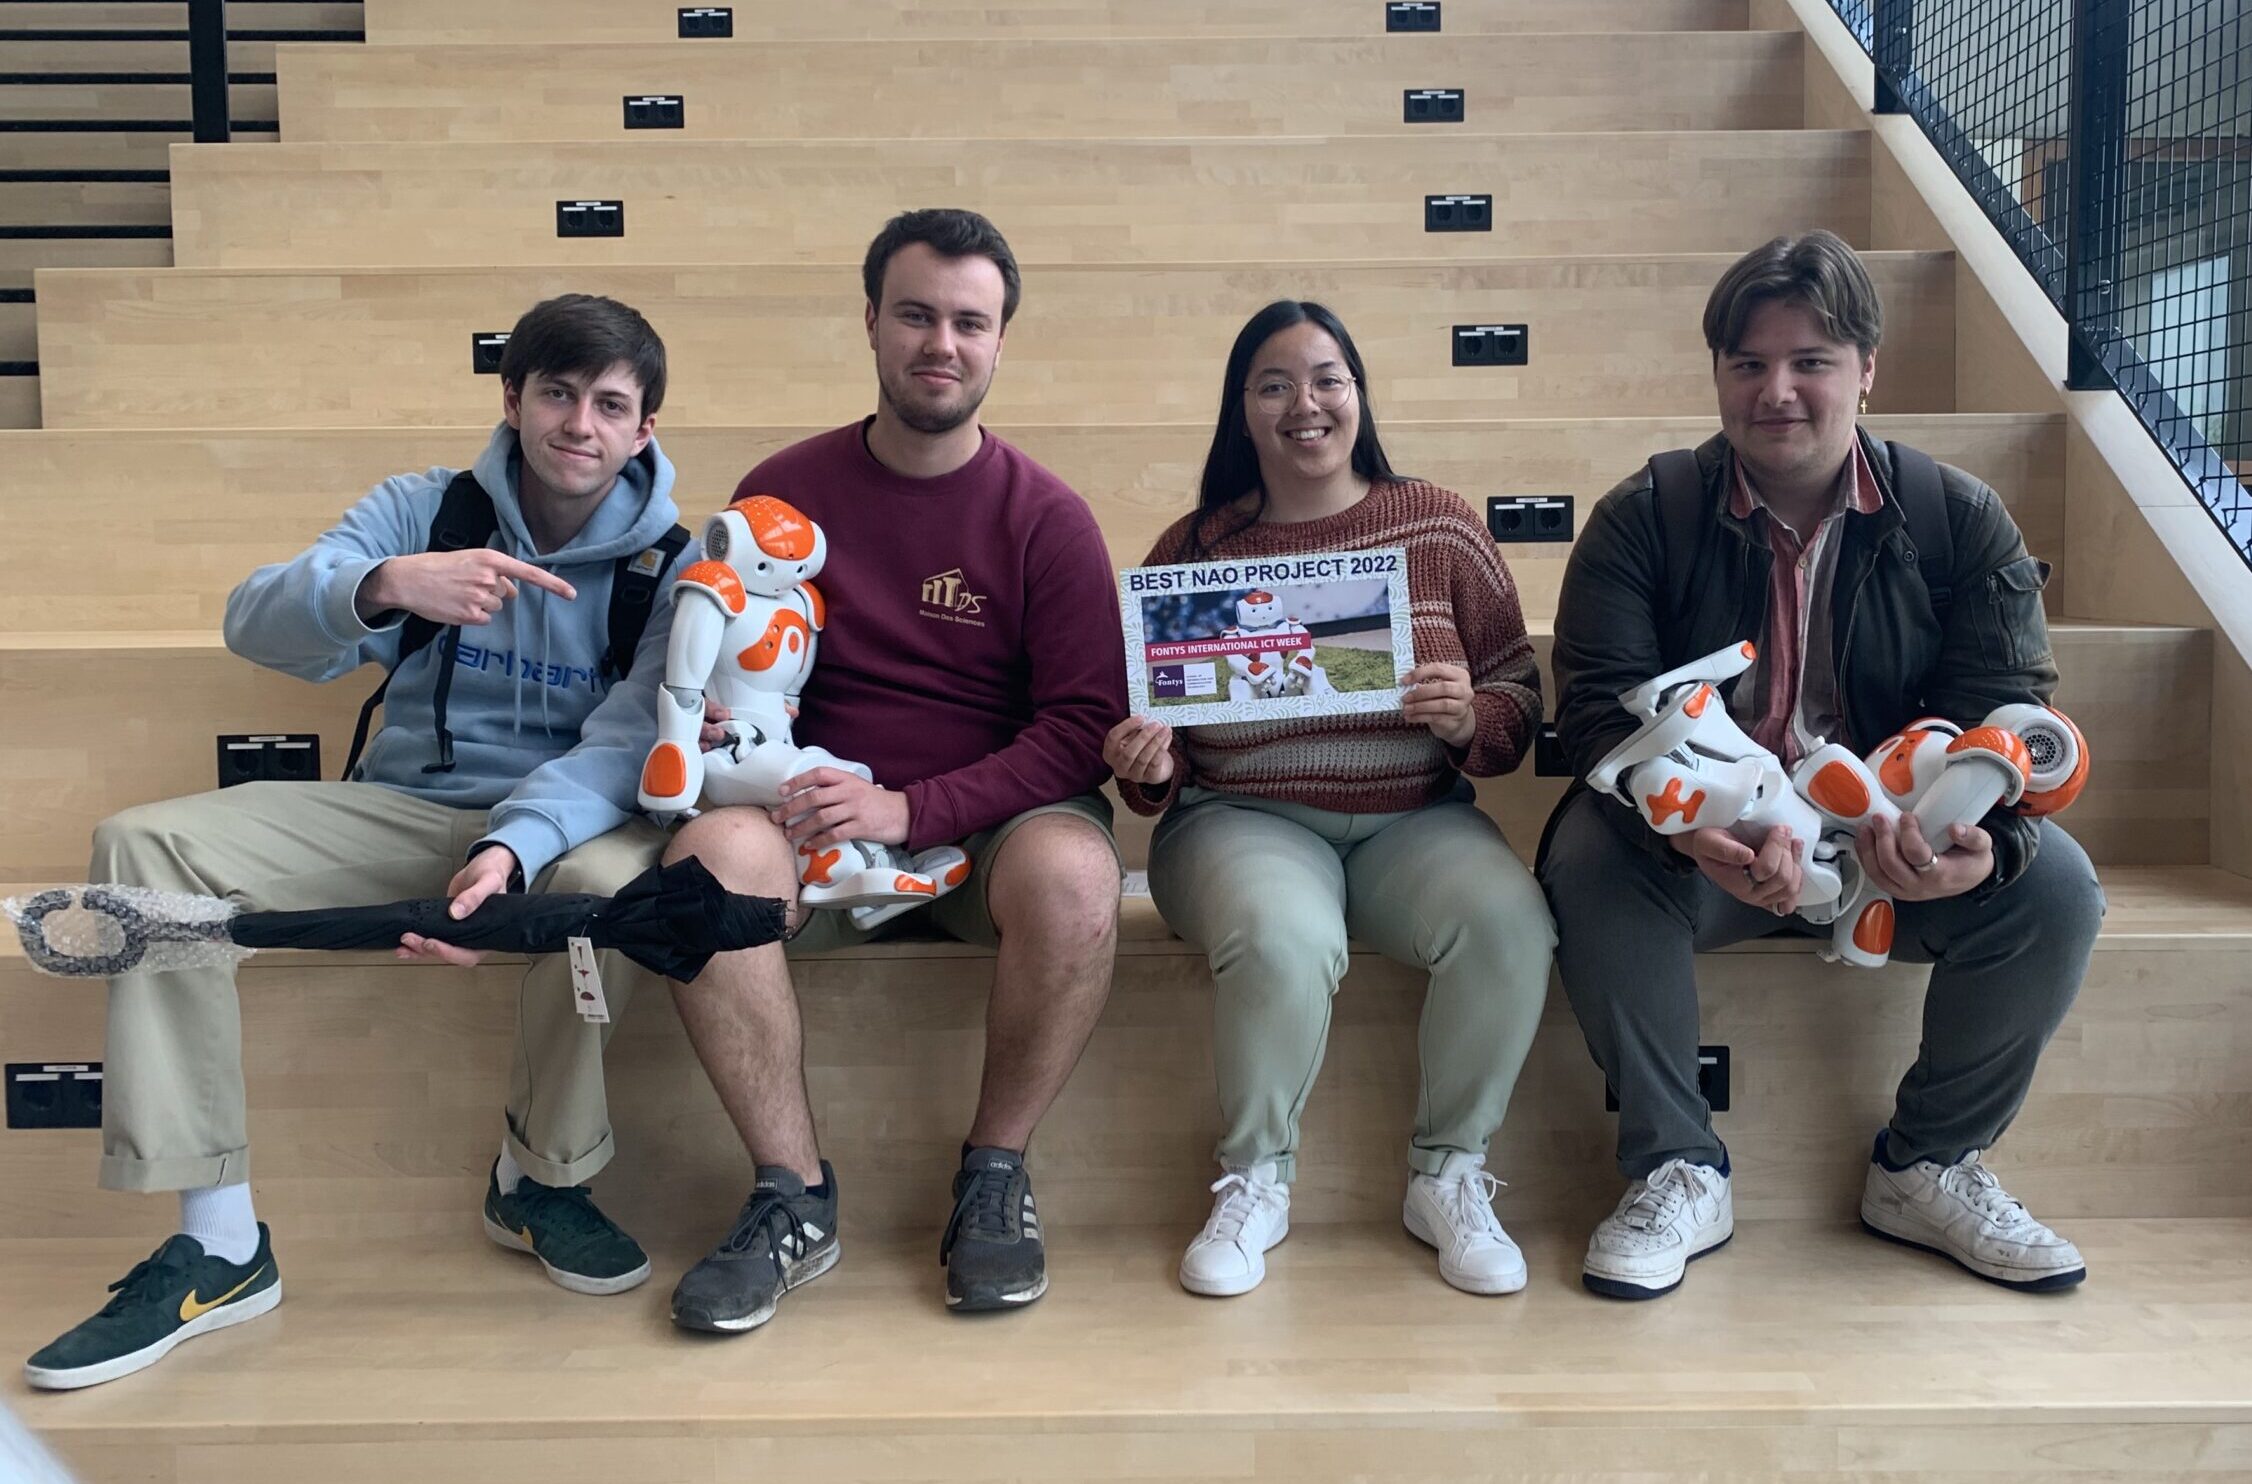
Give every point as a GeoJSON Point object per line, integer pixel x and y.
{"type": "Point", "coordinates": [1530, 517]}
{"type": "Point", "coordinates": [484, 351]}
{"type": "Point", "coordinates": [293, 757]}
{"type": "Point", "coordinates": [705, 22]}
{"type": "Point", "coordinates": [54, 1094]}
{"type": "Point", "coordinates": [1712, 1080]}
{"type": "Point", "coordinates": [1490, 345]}
{"type": "Point", "coordinates": [1431, 106]}
{"type": "Point", "coordinates": [590, 218]}
{"type": "Point", "coordinates": [1458, 213]}
{"type": "Point", "coordinates": [656, 111]}
{"type": "Point", "coordinates": [1411, 15]}
{"type": "Point", "coordinates": [1548, 753]}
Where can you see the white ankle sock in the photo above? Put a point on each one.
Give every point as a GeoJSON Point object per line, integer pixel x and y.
{"type": "Point", "coordinates": [221, 1218]}
{"type": "Point", "coordinates": [507, 1172]}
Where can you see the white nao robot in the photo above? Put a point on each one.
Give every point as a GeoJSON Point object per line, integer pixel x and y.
{"type": "Point", "coordinates": [745, 620]}
{"type": "Point", "coordinates": [1689, 766]}
{"type": "Point", "coordinates": [1278, 657]}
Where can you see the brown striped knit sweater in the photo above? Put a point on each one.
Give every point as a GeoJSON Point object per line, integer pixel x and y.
{"type": "Point", "coordinates": [1465, 612]}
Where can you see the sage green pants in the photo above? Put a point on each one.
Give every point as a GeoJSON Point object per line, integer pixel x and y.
{"type": "Point", "coordinates": [172, 1098]}
{"type": "Point", "coordinates": [1271, 891]}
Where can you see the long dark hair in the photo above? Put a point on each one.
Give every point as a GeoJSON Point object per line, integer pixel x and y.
{"type": "Point", "coordinates": [1231, 469]}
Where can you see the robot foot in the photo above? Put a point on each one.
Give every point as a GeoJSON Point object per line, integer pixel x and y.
{"type": "Point", "coordinates": [862, 874]}
{"type": "Point", "coordinates": [944, 867]}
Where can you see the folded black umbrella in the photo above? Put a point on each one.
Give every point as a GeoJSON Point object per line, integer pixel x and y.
{"type": "Point", "coordinates": [670, 919]}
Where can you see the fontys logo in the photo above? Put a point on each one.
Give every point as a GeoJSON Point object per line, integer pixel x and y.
{"type": "Point", "coordinates": [1167, 682]}
{"type": "Point", "coordinates": [948, 590]}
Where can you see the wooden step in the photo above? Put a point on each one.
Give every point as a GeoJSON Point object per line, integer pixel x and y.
{"type": "Point", "coordinates": [19, 332]}
{"type": "Point", "coordinates": [108, 102]}
{"type": "Point", "coordinates": [611, 22]}
{"type": "Point", "coordinates": [1112, 200]}
{"type": "Point", "coordinates": [130, 54]}
{"type": "Point", "coordinates": [91, 149]}
{"type": "Point", "coordinates": [375, 1088]}
{"type": "Point", "coordinates": [85, 203]}
{"type": "Point", "coordinates": [234, 501]}
{"type": "Point", "coordinates": [1110, 344]}
{"type": "Point", "coordinates": [448, 1360]}
{"type": "Point", "coordinates": [172, 15]}
{"type": "Point", "coordinates": [72, 754]}
{"type": "Point", "coordinates": [21, 257]}
{"type": "Point", "coordinates": [19, 402]}
{"type": "Point", "coordinates": [986, 88]}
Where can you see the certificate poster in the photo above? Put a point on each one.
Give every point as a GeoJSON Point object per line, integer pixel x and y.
{"type": "Point", "coordinates": [1267, 638]}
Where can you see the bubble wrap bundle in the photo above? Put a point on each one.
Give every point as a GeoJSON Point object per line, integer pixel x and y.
{"type": "Point", "coordinates": [105, 931]}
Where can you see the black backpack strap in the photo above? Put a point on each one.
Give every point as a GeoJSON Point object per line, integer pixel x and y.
{"type": "Point", "coordinates": [633, 593]}
{"type": "Point", "coordinates": [1680, 497]}
{"type": "Point", "coordinates": [465, 520]}
{"type": "Point", "coordinates": [1923, 506]}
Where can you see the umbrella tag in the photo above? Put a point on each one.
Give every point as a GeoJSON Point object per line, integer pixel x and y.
{"type": "Point", "coordinates": [586, 983]}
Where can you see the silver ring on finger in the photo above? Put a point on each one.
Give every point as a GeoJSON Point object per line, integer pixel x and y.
{"type": "Point", "coordinates": [1923, 866]}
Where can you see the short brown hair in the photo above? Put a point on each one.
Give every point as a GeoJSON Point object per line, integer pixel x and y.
{"type": "Point", "coordinates": [585, 335]}
{"type": "Point", "coordinates": [1815, 269]}
{"type": "Point", "coordinates": [951, 233]}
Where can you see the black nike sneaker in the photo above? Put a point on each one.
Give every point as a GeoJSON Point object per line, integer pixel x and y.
{"type": "Point", "coordinates": [581, 1249]}
{"type": "Point", "coordinates": [783, 1237]}
{"type": "Point", "coordinates": [175, 1294]}
{"type": "Point", "coordinates": [991, 1250]}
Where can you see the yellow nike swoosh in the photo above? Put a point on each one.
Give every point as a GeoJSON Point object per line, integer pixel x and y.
{"type": "Point", "coordinates": [190, 1309]}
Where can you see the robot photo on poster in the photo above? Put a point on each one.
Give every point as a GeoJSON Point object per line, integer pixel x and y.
{"type": "Point", "coordinates": [1265, 638]}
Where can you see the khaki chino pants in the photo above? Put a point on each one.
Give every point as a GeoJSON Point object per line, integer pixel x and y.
{"type": "Point", "coordinates": [173, 1104]}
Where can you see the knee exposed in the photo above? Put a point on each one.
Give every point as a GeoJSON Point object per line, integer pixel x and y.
{"type": "Point", "coordinates": [742, 847]}
{"type": "Point", "coordinates": [1059, 882]}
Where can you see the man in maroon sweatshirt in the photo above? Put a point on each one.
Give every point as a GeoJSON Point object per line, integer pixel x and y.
{"type": "Point", "coordinates": [973, 664]}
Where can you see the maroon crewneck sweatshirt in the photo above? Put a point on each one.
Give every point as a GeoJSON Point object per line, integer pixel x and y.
{"type": "Point", "coordinates": [974, 656]}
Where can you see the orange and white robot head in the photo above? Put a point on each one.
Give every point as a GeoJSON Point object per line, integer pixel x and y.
{"type": "Point", "coordinates": [771, 545]}
{"type": "Point", "coordinates": [1256, 610]}
{"type": "Point", "coordinates": [2056, 755]}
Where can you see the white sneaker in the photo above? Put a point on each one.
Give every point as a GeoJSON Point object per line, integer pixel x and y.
{"type": "Point", "coordinates": [1961, 1211]}
{"type": "Point", "coordinates": [1453, 1211]}
{"type": "Point", "coordinates": [1672, 1216]}
{"type": "Point", "coordinates": [1251, 1215]}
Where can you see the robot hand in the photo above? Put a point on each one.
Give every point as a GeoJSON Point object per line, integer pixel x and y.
{"type": "Point", "coordinates": [672, 776]}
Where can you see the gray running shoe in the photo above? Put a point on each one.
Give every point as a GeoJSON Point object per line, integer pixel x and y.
{"type": "Point", "coordinates": [991, 1250]}
{"type": "Point", "coordinates": [782, 1238]}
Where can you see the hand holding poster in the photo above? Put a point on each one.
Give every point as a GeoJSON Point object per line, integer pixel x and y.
{"type": "Point", "coordinates": [1265, 638]}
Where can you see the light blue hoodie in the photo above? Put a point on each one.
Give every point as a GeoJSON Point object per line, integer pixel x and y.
{"type": "Point", "coordinates": [538, 737]}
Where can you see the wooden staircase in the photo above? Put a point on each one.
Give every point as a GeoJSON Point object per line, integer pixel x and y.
{"type": "Point", "coordinates": [1163, 169]}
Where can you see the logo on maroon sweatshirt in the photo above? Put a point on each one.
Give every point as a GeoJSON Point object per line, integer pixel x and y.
{"type": "Point", "coordinates": [949, 593]}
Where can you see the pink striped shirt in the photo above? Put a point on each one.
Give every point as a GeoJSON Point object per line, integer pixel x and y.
{"type": "Point", "coordinates": [1789, 701]}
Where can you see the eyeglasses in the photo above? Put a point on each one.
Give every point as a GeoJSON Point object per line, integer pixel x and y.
{"type": "Point", "coordinates": [1277, 393]}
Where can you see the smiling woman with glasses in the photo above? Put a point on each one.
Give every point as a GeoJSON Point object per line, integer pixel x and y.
{"type": "Point", "coordinates": [1282, 838]}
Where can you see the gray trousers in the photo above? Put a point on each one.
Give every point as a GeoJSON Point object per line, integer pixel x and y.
{"type": "Point", "coordinates": [2004, 973]}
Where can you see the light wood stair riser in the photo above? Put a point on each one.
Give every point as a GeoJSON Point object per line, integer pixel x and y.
{"type": "Point", "coordinates": [1054, 89]}
{"type": "Point", "coordinates": [1108, 345]}
{"type": "Point", "coordinates": [402, 205]}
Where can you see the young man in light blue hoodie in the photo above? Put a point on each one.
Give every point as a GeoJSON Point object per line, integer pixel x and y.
{"type": "Point", "coordinates": [510, 753]}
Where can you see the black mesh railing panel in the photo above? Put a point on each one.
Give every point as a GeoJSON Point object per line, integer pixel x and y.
{"type": "Point", "coordinates": [2143, 110]}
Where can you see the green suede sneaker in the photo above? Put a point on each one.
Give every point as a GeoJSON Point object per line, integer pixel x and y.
{"type": "Point", "coordinates": [176, 1293]}
{"type": "Point", "coordinates": [582, 1249]}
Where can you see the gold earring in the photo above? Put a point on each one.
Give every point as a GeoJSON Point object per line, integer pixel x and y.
{"type": "Point", "coordinates": [1864, 406]}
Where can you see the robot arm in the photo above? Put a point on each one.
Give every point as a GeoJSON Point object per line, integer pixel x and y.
{"type": "Point", "coordinates": [1722, 664]}
{"type": "Point", "coordinates": [705, 597]}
